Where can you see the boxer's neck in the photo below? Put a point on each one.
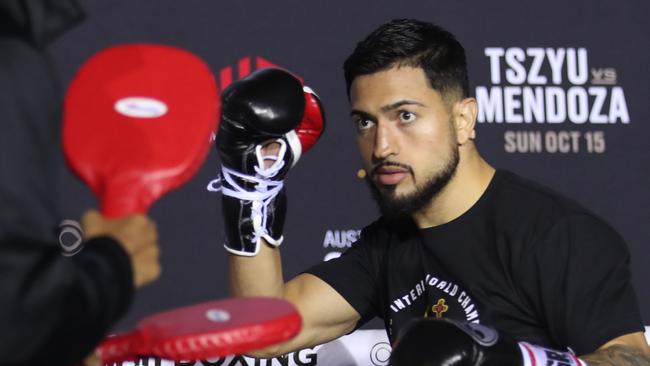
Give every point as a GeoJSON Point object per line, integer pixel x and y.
{"type": "Point", "coordinates": [472, 177]}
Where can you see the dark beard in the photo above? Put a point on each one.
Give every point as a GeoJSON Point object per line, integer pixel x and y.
{"type": "Point", "coordinates": [395, 208]}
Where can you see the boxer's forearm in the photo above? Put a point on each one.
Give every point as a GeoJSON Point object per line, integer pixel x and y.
{"type": "Point", "coordinates": [618, 355]}
{"type": "Point", "coordinates": [260, 275]}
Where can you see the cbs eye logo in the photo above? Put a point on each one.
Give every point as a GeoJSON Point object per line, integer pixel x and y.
{"type": "Point", "coordinates": [380, 354]}
{"type": "Point", "coordinates": [70, 237]}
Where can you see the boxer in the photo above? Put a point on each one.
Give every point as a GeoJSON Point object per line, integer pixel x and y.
{"type": "Point", "coordinates": [457, 238]}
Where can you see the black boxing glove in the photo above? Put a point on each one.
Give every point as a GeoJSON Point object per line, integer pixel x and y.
{"type": "Point", "coordinates": [435, 342]}
{"type": "Point", "coordinates": [268, 106]}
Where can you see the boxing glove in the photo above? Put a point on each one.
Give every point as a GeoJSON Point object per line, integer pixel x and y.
{"type": "Point", "coordinates": [435, 342]}
{"type": "Point", "coordinates": [269, 106]}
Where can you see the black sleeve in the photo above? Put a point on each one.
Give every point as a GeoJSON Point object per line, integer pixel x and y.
{"type": "Point", "coordinates": [582, 276]}
{"type": "Point", "coordinates": [355, 275]}
{"type": "Point", "coordinates": [55, 309]}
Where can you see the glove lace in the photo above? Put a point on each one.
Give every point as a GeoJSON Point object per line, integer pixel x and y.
{"type": "Point", "coordinates": [265, 189]}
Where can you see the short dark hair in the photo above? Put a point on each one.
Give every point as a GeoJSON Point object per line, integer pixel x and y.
{"type": "Point", "coordinates": [410, 42]}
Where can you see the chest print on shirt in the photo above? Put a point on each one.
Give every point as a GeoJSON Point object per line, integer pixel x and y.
{"type": "Point", "coordinates": [437, 310]}
{"type": "Point", "coordinates": [443, 299]}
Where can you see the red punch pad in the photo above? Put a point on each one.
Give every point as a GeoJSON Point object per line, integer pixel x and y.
{"type": "Point", "coordinates": [137, 123]}
{"type": "Point", "coordinates": [206, 330]}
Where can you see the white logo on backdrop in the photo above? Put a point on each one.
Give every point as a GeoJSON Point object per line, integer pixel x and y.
{"type": "Point", "coordinates": [70, 237]}
{"type": "Point", "coordinates": [339, 240]}
{"type": "Point", "coordinates": [535, 87]}
{"type": "Point", "coordinates": [380, 354]}
{"type": "Point", "coordinates": [367, 347]}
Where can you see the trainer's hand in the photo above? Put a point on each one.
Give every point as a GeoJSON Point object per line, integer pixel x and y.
{"type": "Point", "coordinates": [138, 236]}
{"type": "Point", "coordinates": [92, 359]}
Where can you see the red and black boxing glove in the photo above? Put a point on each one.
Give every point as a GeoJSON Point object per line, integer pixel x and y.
{"type": "Point", "coordinates": [310, 129]}
{"type": "Point", "coordinates": [434, 342]}
{"type": "Point", "coordinates": [270, 106]}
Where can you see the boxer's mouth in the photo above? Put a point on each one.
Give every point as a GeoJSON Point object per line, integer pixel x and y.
{"type": "Point", "coordinates": [390, 173]}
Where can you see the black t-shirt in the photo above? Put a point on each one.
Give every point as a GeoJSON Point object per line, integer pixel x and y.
{"type": "Point", "coordinates": [523, 259]}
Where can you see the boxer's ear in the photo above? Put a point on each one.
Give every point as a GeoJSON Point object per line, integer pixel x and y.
{"type": "Point", "coordinates": [464, 114]}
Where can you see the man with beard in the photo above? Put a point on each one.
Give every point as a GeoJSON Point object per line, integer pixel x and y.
{"type": "Point", "coordinates": [457, 239]}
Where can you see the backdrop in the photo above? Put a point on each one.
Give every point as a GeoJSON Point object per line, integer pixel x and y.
{"type": "Point", "coordinates": [562, 88]}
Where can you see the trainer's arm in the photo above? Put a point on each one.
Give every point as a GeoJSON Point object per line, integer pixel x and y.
{"type": "Point", "coordinates": [54, 309]}
{"type": "Point", "coordinates": [627, 350]}
{"type": "Point", "coordinates": [326, 315]}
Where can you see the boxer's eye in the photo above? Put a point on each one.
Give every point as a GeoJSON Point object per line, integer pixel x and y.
{"type": "Point", "coordinates": [406, 116]}
{"type": "Point", "coordinates": [363, 123]}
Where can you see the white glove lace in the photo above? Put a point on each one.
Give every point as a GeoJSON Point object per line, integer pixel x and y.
{"type": "Point", "coordinates": [265, 188]}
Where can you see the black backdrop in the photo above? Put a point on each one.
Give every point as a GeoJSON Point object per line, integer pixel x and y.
{"type": "Point", "coordinates": [328, 202]}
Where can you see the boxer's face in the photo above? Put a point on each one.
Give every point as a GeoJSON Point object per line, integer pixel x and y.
{"type": "Point", "coordinates": [406, 137]}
